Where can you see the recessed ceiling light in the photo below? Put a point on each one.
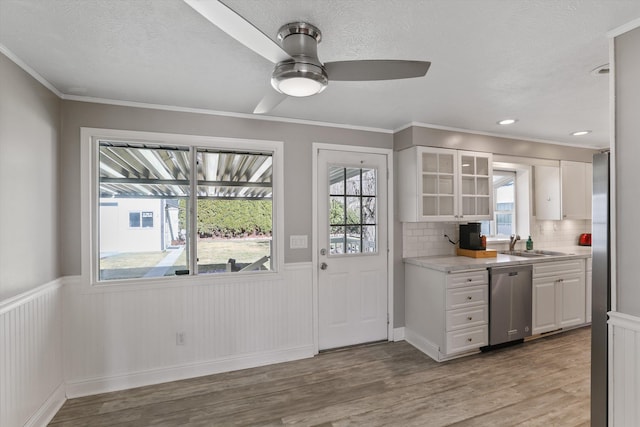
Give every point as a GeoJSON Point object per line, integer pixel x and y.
{"type": "Point", "coordinates": [580, 132]}
{"type": "Point", "coordinates": [507, 121]}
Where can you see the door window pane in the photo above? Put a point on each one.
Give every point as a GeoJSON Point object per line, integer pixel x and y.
{"type": "Point", "coordinates": [352, 210]}
{"type": "Point", "coordinates": [353, 181]}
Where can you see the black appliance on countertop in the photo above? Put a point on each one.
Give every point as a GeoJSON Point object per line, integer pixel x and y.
{"type": "Point", "coordinates": [470, 236]}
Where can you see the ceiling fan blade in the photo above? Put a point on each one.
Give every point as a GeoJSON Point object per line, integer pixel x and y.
{"type": "Point", "coordinates": [377, 69]}
{"type": "Point", "coordinates": [270, 101]}
{"type": "Point", "coordinates": [239, 28]}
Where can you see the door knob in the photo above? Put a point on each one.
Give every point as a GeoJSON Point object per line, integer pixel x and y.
{"type": "Point", "coordinates": [323, 266]}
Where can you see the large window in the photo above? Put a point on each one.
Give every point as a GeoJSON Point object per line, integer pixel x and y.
{"type": "Point", "coordinates": [182, 210]}
{"type": "Point", "coordinates": [504, 209]}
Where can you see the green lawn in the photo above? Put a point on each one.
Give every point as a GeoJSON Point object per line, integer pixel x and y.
{"type": "Point", "coordinates": [213, 255]}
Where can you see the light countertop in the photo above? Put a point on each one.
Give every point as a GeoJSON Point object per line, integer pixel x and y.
{"type": "Point", "coordinates": [449, 263]}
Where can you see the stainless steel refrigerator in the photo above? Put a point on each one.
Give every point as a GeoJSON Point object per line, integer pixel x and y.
{"type": "Point", "coordinates": [601, 288]}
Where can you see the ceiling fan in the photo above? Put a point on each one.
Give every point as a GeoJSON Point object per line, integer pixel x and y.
{"type": "Point", "coordinates": [298, 71]}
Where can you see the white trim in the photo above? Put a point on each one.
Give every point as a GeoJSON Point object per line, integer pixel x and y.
{"type": "Point", "coordinates": [398, 334]}
{"type": "Point", "coordinates": [623, 320]}
{"type": "Point", "coordinates": [612, 176]}
{"type": "Point", "coordinates": [33, 73]}
{"type": "Point", "coordinates": [492, 134]}
{"type": "Point", "coordinates": [388, 152]}
{"type": "Point", "coordinates": [11, 303]}
{"type": "Point", "coordinates": [422, 344]}
{"type": "Point", "coordinates": [49, 408]}
{"type": "Point", "coordinates": [89, 138]}
{"type": "Point", "coordinates": [180, 372]}
{"type": "Point", "coordinates": [625, 28]}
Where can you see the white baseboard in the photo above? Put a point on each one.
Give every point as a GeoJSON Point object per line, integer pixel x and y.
{"type": "Point", "coordinates": [422, 344]}
{"type": "Point", "coordinates": [175, 373]}
{"type": "Point", "coordinates": [398, 334]}
{"type": "Point", "coordinates": [49, 408]}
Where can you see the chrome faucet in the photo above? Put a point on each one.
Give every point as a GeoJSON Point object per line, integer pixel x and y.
{"type": "Point", "coordinates": [512, 241]}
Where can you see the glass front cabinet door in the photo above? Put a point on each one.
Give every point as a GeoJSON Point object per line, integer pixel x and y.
{"type": "Point", "coordinates": [437, 184]}
{"type": "Point", "coordinates": [475, 186]}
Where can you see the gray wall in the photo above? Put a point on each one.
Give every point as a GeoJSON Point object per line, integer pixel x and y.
{"type": "Point", "coordinates": [627, 156]}
{"type": "Point", "coordinates": [29, 127]}
{"type": "Point", "coordinates": [297, 139]}
{"type": "Point", "coordinates": [490, 144]}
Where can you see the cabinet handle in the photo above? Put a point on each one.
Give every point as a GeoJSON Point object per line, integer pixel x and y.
{"type": "Point", "coordinates": [469, 318]}
{"type": "Point", "coordinates": [469, 280]}
{"type": "Point", "coordinates": [469, 339]}
{"type": "Point", "coordinates": [469, 297]}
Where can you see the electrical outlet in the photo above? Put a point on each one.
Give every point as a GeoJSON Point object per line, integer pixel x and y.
{"type": "Point", "coordinates": [180, 338]}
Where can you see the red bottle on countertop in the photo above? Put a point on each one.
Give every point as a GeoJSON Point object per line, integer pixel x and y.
{"type": "Point", "coordinates": [585, 239]}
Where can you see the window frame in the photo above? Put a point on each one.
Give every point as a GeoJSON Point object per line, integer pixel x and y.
{"type": "Point", "coordinates": [500, 237]}
{"type": "Point", "coordinates": [90, 200]}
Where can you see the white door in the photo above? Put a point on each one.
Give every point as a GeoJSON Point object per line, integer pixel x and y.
{"type": "Point", "coordinates": [352, 246]}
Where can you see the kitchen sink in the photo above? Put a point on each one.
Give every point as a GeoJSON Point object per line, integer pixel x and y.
{"type": "Point", "coordinates": [532, 254]}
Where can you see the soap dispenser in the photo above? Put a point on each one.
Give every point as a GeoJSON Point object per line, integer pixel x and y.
{"type": "Point", "coordinates": [529, 244]}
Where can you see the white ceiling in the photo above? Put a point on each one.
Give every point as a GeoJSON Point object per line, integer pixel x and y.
{"type": "Point", "coordinates": [491, 59]}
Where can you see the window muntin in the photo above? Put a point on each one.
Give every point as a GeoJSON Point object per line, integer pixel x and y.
{"type": "Point", "coordinates": [154, 184]}
{"type": "Point", "coordinates": [352, 210]}
{"type": "Point", "coordinates": [504, 209]}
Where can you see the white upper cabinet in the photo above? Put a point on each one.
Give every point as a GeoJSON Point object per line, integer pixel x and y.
{"type": "Point", "coordinates": [476, 185]}
{"type": "Point", "coordinates": [577, 187]}
{"type": "Point", "coordinates": [547, 193]}
{"type": "Point", "coordinates": [437, 184]}
{"type": "Point", "coordinates": [563, 192]}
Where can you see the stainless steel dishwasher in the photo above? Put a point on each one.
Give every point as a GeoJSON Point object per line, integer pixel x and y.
{"type": "Point", "coordinates": [510, 304]}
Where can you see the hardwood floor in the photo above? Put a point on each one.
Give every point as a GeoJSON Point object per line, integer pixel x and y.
{"type": "Point", "coordinates": [544, 382]}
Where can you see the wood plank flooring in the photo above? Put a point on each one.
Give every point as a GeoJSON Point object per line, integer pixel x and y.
{"type": "Point", "coordinates": [544, 382]}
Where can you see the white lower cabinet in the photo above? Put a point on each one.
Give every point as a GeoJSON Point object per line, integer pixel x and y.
{"type": "Point", "coordinates": [446, 314]}
{"type": "Point", "coordinates": [559, 295]}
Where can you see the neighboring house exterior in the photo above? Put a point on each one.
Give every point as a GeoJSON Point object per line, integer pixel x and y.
{"type": "Point", "coordinates": [137, 225]}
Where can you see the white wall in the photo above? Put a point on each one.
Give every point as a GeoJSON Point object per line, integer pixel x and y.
{"type": "Point", "coordinates": [31, 356]}
{"type": "Point", "coordinates": [120, 337]}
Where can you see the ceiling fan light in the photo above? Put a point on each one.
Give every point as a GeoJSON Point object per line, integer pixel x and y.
{"type": "Point", "coordinates": [300, 86]}
{"type": "Point", "coordinates": [299, 79]}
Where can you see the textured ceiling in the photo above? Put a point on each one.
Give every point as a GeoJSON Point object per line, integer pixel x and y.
{"type": "Point", "coordinates": [491, 59]}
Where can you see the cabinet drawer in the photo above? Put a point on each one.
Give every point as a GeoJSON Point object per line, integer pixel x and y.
{"type": "Point", "coordinates": [552, 268]}
{"type": "Point", "coordinates": [466, 297]}
{"type": "Point", "coordinates": [468, 278]}
{"type": "Point", "coordinates": [467, 339]}
{"type": "Point", "coordinates": [466, 317]}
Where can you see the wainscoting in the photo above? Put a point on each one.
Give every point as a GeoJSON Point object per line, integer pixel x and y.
{"type": "Point", "coordinates": [624, 370]}
{"type": "Point", "coordinates": [122, 337]}
{"type": "Point", "coordinates": [31, 354]}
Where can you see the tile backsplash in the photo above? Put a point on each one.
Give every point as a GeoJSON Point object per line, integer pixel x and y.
{"type": "Point", "coordinates": [427, 238]}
